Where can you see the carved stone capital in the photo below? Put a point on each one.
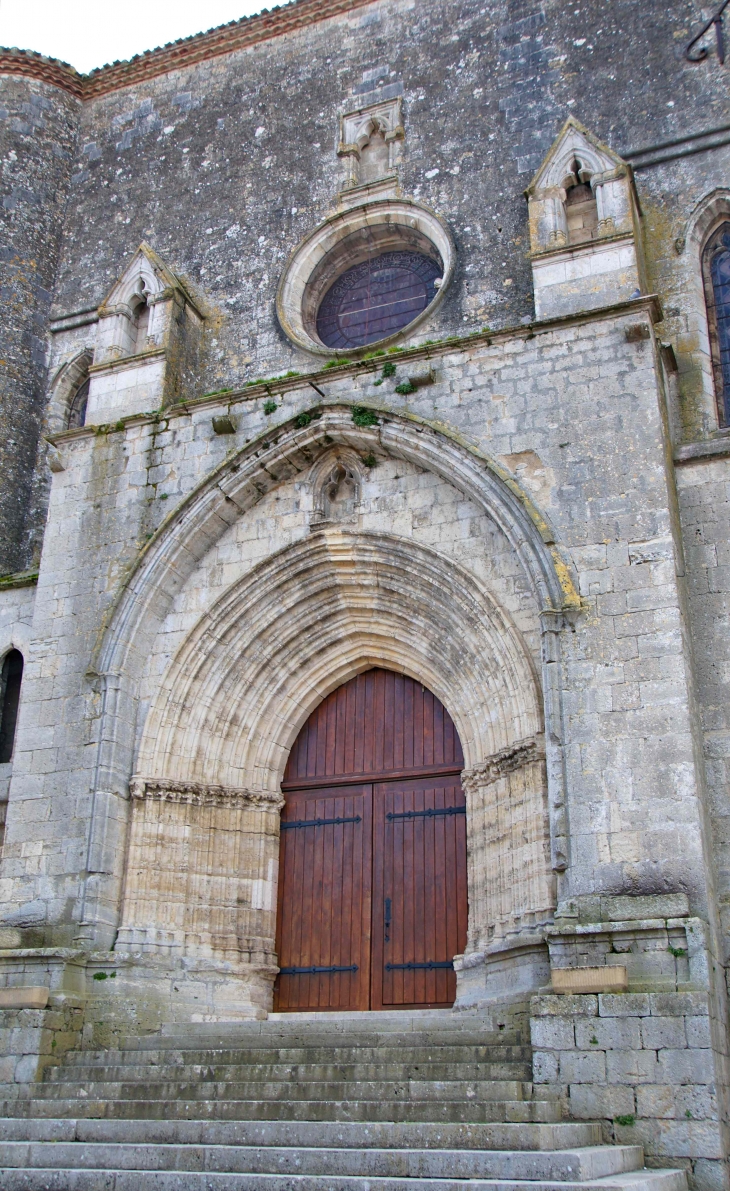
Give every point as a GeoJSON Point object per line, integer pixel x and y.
{"type": "Point", "coordinates": [507, 760]}
{"type": "Point", "coordinates": [202, 794]}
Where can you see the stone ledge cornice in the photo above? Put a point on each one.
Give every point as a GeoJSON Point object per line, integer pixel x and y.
{"type": "Point", "coordinates": [310, 382]}
{"type": "Point", "coordinates": [711, 448]}
{"type": "Point", "coordinates": [122, 363]}
{"type": "Point", "coordinates": [202, 794]}
{"type": "Point", "coordinates": [177, 55]}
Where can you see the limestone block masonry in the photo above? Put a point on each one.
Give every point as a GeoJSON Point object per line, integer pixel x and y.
{"type": "Point", "coordinates": [210, 521]}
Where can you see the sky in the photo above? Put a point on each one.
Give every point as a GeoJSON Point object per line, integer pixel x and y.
{"type": "Point", "coordinates": [90, 33]}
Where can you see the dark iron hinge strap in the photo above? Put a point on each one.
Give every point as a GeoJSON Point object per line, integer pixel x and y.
{"type": "Point", "coordinates": [316, 971]}
{"type": "Point", "coordinates": [429, 966]}
{"type": "Point", "coordinates": [432, 814]}
{"type": "Point", "coordinates": [318, 822]}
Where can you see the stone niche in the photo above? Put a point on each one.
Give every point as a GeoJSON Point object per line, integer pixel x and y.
{"type": "Point", "coordinates": [585, 227]}
{"type": "Point", "coordinates": [371, 139]}
{"type": "Point", "coordinates": [149, 331]}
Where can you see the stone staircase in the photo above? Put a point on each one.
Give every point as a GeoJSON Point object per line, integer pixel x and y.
{"type": "Point", "coordinates": [416, 1100]}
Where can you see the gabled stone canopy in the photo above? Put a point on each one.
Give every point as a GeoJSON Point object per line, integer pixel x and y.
{"type": "Point", "coordinates": [129, 376]}
{"type": "Point", "coordinates": [585, 254]}
{"type": "Point", "coordinates": [574, 141]}
{"type": "Point", "coordinates": [145, 274]}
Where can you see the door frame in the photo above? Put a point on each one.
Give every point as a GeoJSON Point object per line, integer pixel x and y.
{"type": "Point", "coordinates": [371, 990]}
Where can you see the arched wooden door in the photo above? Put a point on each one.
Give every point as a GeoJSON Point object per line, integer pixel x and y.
{"type": "Point", "coordinates": [372, 877]}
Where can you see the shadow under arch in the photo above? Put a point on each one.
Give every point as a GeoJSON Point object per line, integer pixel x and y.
{"type": "Point", "coordinates": [190, 530]}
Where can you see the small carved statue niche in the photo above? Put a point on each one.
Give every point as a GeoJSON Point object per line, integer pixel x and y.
{"type": "Point", "coordinates": [370, 142]}
{"type": "Point", "coordinates": [139, 331]}
{"type": "Point", "coordinates": [340, 493]}
{"type": "Point", "coordinates": [375, 156]}
{"type": "Point", "coordinates": [581, 210]}
{"type": "Point", "coordinates": [337, 485]}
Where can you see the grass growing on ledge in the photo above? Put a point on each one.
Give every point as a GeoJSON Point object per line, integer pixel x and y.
{"type": "Point", "coordinates": [363, 417]}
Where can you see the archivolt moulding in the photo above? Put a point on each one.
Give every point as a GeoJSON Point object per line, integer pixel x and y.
{"type": "Point", "coordinates": [308, 619]}
{"type": "Point", "coordinates": [276, 643]}
{"type": "Point", "coordinates": [242, 480]}
{"type": "Point", "coordinates": [344, 240]}
{"type": "Point", "coordinates": [353, 635]}
{"type": "Point", "coordinates": [709, 211]}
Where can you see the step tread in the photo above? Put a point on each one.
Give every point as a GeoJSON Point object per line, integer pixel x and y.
{"type": "Point", "coordinates": [327, 1072]}
{"type": "Point", "coordinates": [562, 1135]}
{"type": "Point", "coordinates": [435, 1111]}
{"type": "Point", "coordinates": [560, 1166]}
{"type": "Point", "coordinates": [334, 1089]}
{"type": "Point", "coordinates": [301, 1037]}
{"type": "Point", "coordinates": [76, 1179]}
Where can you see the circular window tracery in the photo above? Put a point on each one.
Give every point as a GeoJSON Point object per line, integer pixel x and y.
{"type": "Point", "coordinates": [368, 274]}
{"type": "Point", "coordinates": [376, 298]}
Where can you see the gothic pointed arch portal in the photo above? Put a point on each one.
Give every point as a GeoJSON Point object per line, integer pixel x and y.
{"type": "Point", "coordinates": [372, 904]}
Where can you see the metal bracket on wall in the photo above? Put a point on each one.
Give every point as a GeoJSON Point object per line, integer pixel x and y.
{"type": "Point", "coordinates": [702, 53]}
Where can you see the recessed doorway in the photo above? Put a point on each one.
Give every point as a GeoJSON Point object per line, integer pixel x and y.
{"type": "Point", "coordinates": [372, 878]}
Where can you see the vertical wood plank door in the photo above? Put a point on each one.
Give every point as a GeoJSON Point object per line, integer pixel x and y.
{"type": "Point", "coordinates": [372, 876]}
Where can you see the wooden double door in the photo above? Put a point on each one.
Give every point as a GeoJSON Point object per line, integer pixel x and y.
{"type": "Point", "coordinates": [372, 877]}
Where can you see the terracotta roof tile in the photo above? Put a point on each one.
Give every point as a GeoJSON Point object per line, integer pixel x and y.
{"type": "Point", "coordinates": [177, 55]}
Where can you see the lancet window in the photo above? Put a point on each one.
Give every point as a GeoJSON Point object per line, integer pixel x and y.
{"type": "Point", "coordinates": [11, 678]}
{"type": "Point", "coordinates": [716, 273]}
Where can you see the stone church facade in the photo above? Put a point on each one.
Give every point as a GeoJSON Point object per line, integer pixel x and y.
{"type": "Point", "coordinates": [375, 336]}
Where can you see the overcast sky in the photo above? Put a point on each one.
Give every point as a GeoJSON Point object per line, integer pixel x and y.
{"type": "Point", "coordinates": [89, 33]}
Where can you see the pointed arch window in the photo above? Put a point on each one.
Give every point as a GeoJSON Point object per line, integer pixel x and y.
{"type": "Point", "coordinates": [11, 678]}
{"type": "Point", "coordinates": [141, 326]}
{"type": "Point", "coordinates": [77, 407]}
{"type": "Point", "coordinates": [716, 276]}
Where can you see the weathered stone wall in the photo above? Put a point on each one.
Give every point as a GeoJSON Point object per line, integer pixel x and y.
{"type": "Point", "coordinates": [643, 1065]}
{"type": "Point", "coordinates": [703, 496]}
{"type": "Point", "coordinates": [224, 166]}
{"type": "Point", "coordinates": [594, 462]}
{"type": "Point", "coordinates": [38, 126]}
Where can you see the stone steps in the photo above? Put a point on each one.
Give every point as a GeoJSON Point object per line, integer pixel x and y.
{"type": "Point", "coordinates": [527, 1111]}
{"type": "Point", "coordinates": [237, 1056]}
{"type": "Point", "coordinates": [565, 1135]}
{"type": "Point", "coordinates": [425, 1101]}
{"type": "Point", "coordinates": [237, 1073]}
{"type": "Point", "coordinates": [304, 1039]}
{"type": "Point", "coordinates": [154, 1088]}
{"type": "Point", "coordinates": [75, 1155]}
{"type": "Point", "coordinates": [63, 1154]}
{"type": "Point", "coordinates": [566, 1167]}
{"type": "Point", "coordinates": [139, 1180]}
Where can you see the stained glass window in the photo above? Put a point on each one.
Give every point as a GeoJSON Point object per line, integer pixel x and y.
{"type": "Point", "coordinates": [376, 298]}
{"type": "Point", "coordinates": [717, 292]}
